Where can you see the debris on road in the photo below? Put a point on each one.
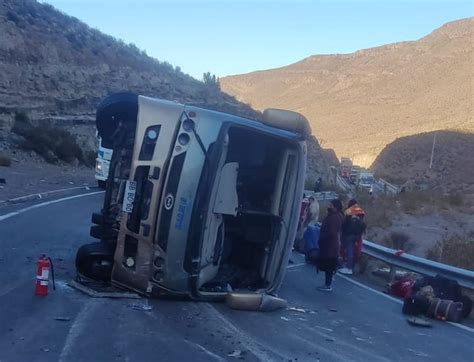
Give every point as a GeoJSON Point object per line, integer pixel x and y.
{"type": "Point", "coordinates": [418, 353]}
{"type": "Point", "coordinates": [141, 306]}
{"type": "Point", "coordinates": [297, 310]}
{"type": "Point", "coordinates": [98, 290]}
{"type": "Point", "coordinates": [285, 319]}
{"type": "Point", "coordinates": [419, 322]}
{"type": "Point", "coordinates": [325, 329]}
{"type": "Point", "coordinates": [237, 354]}
{"type": "Point", "coordinates": [62, 319]}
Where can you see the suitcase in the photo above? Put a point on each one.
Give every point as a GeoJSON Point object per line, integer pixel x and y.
{"type": "Point", "coordinates": [445, 310]}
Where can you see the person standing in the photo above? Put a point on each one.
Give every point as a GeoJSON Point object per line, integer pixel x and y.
{"type": "Point", "coordinates": [302, 223]}
{"type": "Point", "coordinates": [329, 243]}
{"type": "Point", "coordinates": [318, 185]}
{"type": "Point", "coordinates": [353, 228]}
{"type": "Point", "coordinates": [313, 211]}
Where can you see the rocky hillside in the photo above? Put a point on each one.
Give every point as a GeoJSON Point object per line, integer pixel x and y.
{"type": "Point", "coordinates": [54, 70]}
{"type": "Point", "coordinates": [51, 63]}
{"type": "Point", "coordinates": [358, 103]}
{"type": "Point", "coordinates": [407, 161]}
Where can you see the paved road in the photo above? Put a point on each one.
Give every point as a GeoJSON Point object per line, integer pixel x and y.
{"type": "Point", "coordinates": [350, 324]}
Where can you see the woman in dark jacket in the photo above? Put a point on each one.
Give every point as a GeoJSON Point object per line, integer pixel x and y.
{"type": "Point", "coordinates": [329, 242]}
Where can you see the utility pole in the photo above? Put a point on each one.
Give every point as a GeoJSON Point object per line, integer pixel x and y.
{"type": "Point", "coordinates": [432, 150]}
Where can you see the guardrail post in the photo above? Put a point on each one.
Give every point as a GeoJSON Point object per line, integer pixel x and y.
{"type": "Point", "coordinates": [392, 274]}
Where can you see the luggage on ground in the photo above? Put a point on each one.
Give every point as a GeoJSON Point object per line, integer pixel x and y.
{"type": "Point", "coordinates": [416, 305]}
{"type": "Point", "coordinates": [445, 288]}
{"type": "Point", "coordinates": [311, 243]}
{"type": "Point", "coordinates": [401, 288]}
{"type": "Point", "coordinates": [445, 309]}
{"type": "Point", "coordinates": [446, 301]}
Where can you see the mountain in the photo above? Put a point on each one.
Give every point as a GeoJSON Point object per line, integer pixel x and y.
{"type": "Point", "coordinates": [54, 70]}
{"type": "Point", "coordinates": [53, 63]}
{"type": "Point", "coordinates": [358, 103]}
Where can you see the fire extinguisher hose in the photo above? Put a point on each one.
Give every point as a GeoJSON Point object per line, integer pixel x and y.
{"type": "Point", "coordinates": [52, 272]}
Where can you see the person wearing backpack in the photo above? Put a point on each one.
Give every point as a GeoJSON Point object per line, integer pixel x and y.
{"type": "Point", "coordinates": [353, 228]}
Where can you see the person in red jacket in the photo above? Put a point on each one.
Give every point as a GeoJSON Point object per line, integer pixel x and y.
{"type": "Point", "coordinates": [329, 243]}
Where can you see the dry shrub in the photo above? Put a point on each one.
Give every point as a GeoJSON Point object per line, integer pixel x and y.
{"type": "Point", "coordinates": [51, 143]}
{"type": "Point", "coordinates": [426, 202]}
{"type": "Point", "coordinates": [419, 201]}
{"type": "Point", "coordinates": [379, 210]}
{"type": "Point", "coordinates": [5, 161]}
{"type": "Point", "coordinates": [434, 253]}
{"type": "Point", "coordinates": [398, 240]}
{"type": "Point", "coordinates": [459, 252]}
{"type": "Point", "coordinates": [456, 200]}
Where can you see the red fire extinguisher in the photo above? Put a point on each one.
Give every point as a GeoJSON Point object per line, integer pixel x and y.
{"type": "Point", "coordinates": [44, 265]}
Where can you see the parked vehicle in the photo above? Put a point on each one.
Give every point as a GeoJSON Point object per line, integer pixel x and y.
{"type": "Point", "coordinates": [102, 164]}
{"type": "Point", "coordinates": [345, 167]}
{"type": "Point", "coordinates": [354, 175]}
{"type": "Point", "coordinates": [200, 202]}
{"type": "Point", "coordinates": [366, 181]}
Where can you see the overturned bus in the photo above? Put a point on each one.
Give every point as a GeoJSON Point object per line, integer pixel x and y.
{"type": "Point", "coordinates": [198, 202]}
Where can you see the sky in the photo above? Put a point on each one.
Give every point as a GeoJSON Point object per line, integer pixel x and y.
{"type": "Point", "coordinates": [227, 37]}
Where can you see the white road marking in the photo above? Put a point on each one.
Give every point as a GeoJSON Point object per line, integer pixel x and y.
{"type": "Point", "coordinates": [77, 328]}
{"type": "Point", "coordinates": [46, 193]}
{"type": "Point", "coordinates": [21, 211]}
{"type": "Point", "coordinates": [206, 351]}
{"type": "Point", "coordinates": [254, 346]}
{"type": "Point", "coordinates": [7, 290]}
{"type": "Point", "coordinates": [461, 326]}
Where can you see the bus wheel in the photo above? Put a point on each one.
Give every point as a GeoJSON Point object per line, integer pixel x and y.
{"type": "Point", "coordinates": [95, 261]}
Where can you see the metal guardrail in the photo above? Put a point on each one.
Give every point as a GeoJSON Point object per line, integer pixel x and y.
{"type": "Point", "coordinates": [323, 195]}
{"type": "Point", "coordinates": [341, 183]}
{"type": "Point", "coordinates": [388, 187]}
{"type": "Point", "coordinates": [464, 277]}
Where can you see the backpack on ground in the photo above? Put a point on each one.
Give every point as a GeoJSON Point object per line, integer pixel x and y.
{"type": "Point", "coordinates": [401, 288]}
{"type": "Point", "coordinates": [445, 288]}
{"type": "Point", "coordinates": [416, 305]}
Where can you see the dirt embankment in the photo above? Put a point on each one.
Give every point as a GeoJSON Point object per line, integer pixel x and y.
{"type": "Point", "coordinates": [407, 161]}
{"type": "Point", "coordinates": [33, 175]}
